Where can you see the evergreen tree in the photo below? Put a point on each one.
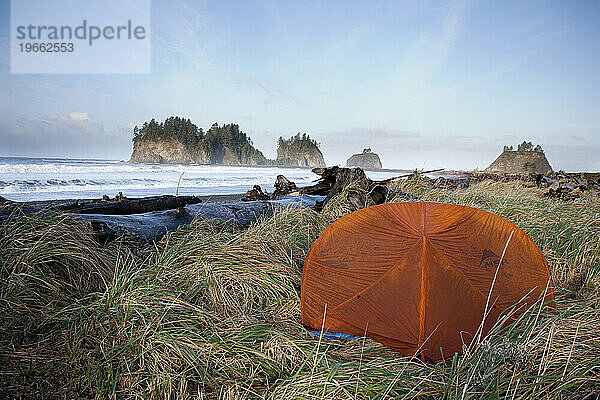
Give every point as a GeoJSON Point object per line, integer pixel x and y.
{"type": "Point", "coordinates": [525, 146]}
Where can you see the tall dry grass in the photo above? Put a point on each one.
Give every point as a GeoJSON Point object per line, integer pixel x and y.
{"type": "Point", "coordinates": [212, 311]}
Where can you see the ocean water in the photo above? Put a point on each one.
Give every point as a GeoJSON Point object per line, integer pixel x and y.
{"type": "Point", "coordinates": [28, 179]}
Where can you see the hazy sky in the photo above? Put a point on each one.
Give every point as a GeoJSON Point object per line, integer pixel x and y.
{"type": "Point", "coordinates": [424, 84]}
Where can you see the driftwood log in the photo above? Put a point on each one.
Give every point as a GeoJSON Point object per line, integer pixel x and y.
{"type": "Point", "coordinates": [150, 226]}
{"type": "Point", "coordinates": [111, 207]}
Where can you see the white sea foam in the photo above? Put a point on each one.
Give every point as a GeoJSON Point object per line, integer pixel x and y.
{"type": "Point", "coordinates": [115, 167]}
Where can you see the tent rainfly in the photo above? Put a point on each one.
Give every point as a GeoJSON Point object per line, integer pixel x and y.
{"type": "Point", "coordinates": [419, 277]}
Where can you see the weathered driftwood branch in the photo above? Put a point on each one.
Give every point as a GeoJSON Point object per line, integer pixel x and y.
{"type": "Point", "coordinates": [123, 207]}
{"type": "Point", "coordinates": [389, 180]}
{"type": "Point", "coordinates": [150, 226]}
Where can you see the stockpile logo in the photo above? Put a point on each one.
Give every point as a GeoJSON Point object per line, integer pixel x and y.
{"type": "Point", "coordinates": [112, 36]}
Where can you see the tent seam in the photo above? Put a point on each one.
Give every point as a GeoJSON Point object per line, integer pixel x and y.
{"type": "Point", "coordinates": [422, 294]}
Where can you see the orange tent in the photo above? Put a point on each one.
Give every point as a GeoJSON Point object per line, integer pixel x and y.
{"type": "Point", "coordinates": [417, 276]}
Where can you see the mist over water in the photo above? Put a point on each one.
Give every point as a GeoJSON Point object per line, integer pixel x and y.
{"type": "Point", "coordinates": [28, 179]}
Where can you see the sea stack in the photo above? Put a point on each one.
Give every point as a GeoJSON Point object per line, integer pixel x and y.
{"type": "Point", "coordinates": [365, 160]}
{"type": "Point", "coordinates": [525, 160]}
{"type": "Point", "coordinates": [178, 141]}
{"type": "Point", "coordinates": [299, 151]}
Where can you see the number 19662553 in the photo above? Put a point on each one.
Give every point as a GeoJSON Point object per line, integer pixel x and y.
{"type": "Point", "coordinates": [46, 47]}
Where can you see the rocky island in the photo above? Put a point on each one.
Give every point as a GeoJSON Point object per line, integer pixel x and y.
{"type": "Point", "coordinates": [299, 151]}
{"type": "Point", "coordinates": [366, 160]}
{"type": "Point", "coordinates": [525, 160]}
{"type": "Point", "coordinates": [179, 141]}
